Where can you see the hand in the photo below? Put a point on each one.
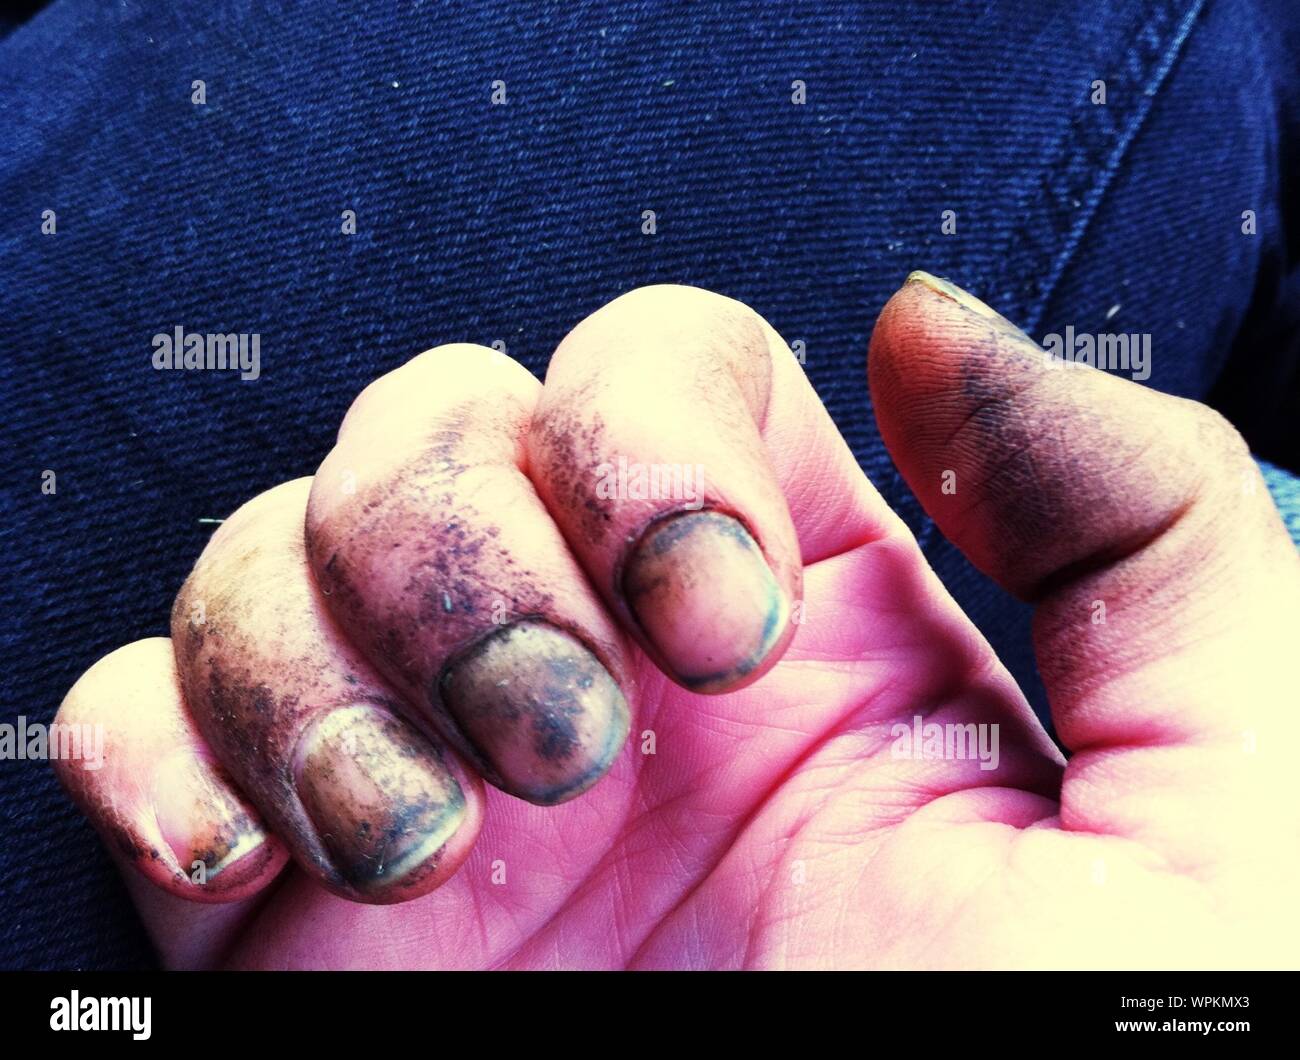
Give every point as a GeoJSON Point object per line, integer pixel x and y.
{"type": "Point", "coordinates": [473, 586]}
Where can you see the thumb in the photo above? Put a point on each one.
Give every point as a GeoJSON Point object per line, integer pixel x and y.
{"type": "Point", "coordinates": [1168, 591]}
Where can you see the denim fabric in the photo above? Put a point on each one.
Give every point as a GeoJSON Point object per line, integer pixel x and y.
{"type": "Point", "coordinates": [509, 223]}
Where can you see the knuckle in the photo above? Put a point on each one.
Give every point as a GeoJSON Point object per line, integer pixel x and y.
{"type": "Point", "coordinates": [460, 372]}
{"type": "Point", "coordinates": [278, 505]}
{"type": "Point", "coordinates": [88, 697]}
{"type": "Point", "coordinates": [693, 325]}
{"type": "Point", "coordinates": [1217, 442]}
{"type": "Point", "coordinates": [668, 306]}
{"type": "Point", "coordinates": [264, 534]}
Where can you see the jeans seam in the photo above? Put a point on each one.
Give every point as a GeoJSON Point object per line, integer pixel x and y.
{"type": "Point", "coordinates": [1076, 179]}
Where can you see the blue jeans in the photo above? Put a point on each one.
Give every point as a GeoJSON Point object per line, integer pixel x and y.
{"type": "Point", "coordinates": [199, 166]}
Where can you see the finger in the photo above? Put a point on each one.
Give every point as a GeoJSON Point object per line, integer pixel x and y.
{"type": "Point", "coordinates": [153, 789]}
{"type": "Point", "coordinates": [653, 446]}
{"type": "Point", "coordinates": [366, 803]}
{"type": "Point", "coordinates": [438, 559]}
{"type": "Point", "coordinates": [172, 818]}
{"type": "Point", "coordinates": [674, 378]}
{"type": "Point", "coordinates": [1166, 586]}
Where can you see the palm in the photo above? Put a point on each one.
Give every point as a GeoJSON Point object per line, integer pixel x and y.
{"type": "Point", "coordinates": [773, 827]}
{"type": "Point", "coordinates": [735, 830]}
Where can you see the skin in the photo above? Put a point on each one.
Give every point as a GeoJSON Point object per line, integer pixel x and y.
{"type": "Point", "coordinates": [690, 761]}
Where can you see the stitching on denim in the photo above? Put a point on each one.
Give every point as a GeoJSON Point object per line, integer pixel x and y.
{"type": "Point", "coordinates": [1083, 166]}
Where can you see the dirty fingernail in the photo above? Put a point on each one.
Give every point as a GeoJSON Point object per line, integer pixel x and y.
{"type": "Point", "coordinates": [539, 708]}
{"type": "Point", "coordinates": [207, 825]}
{"type": "Point", "coordinates": [705, 597]}
{"type": "Point", "coordinates": [382, 802]}
{"type": "Point", "coordinates": [951, 291]}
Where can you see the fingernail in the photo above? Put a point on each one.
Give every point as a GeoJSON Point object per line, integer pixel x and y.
{"type": "Point", "coordinates": [704, 595]}
{"type": "Point", "coordinates": [539, 707]}
{"type": "Point", "coordinates": [207, 825]}
{"type": "Point", "coordinates": [956, 294]}
{"type": "Point", "coordinates": [381, 801]}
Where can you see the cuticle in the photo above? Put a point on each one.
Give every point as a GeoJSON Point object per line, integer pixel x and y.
{"type": "Point", "coordinates": [633, 542]}
{"type": "Point", "coordinates": [465, 651]}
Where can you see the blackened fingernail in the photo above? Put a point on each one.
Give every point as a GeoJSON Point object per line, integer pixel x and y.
{"type": "Point", "coordinates": [956, 294]}
{"type": "Point", "coordinates": [539, 707]}
{"type": "Point", "coordinates": [207, 825]}
{"type": "Point", "coordinates": [705, 597]}
{"type": "Point", "coordinates": [382, 802]}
